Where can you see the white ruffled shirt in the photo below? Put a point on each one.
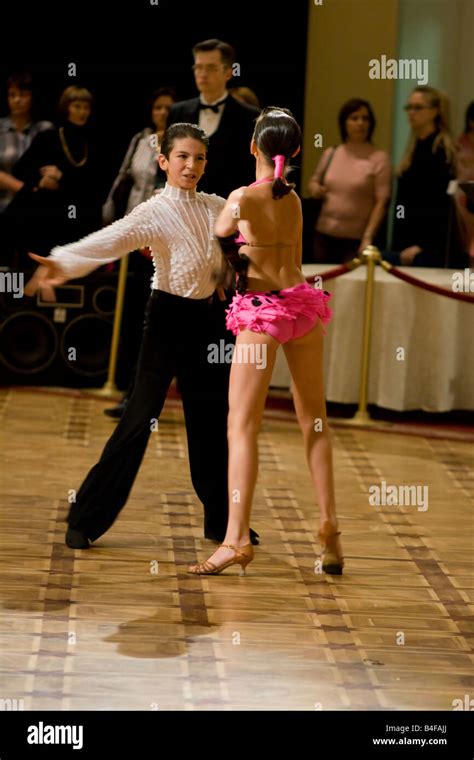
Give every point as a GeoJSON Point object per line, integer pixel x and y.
{"type": "Point", "coordinates": [178, 227]}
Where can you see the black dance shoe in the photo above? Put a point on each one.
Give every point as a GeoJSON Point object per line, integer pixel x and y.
{"type": "Point", "coordinates": [117, 411]}
{"type": "Point", "coordinates": [76, 539]}
{"type": "Point", "coordinates": [254, 537]}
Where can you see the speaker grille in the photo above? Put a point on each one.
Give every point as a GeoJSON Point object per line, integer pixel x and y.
{"type": "Point", "coordinates": [28, 342]}
{"type": "Point", "coordinates": [104, 299]}
{"type": "Point", "coordinates": [85, 344]}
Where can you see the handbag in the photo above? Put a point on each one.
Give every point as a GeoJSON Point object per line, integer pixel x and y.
{"type": "Point", "coordinates": [122, 191]}
{"type": "Point", "coordinates": [121, 195]}
{"type": "Point", "coordinates": [311, 208]}
{"type": "Point", "coordinates": [318, 202]}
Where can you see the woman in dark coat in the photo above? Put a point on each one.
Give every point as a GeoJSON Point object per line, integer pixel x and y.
{"type": "Point", "coordinates": [62, 194]}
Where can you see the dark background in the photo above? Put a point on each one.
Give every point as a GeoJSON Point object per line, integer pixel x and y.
{"type": "Point", "coordinates": [124, 51]}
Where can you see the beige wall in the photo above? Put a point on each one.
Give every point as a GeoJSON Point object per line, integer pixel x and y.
{"type": "Point", "coordinates": [343, 35]}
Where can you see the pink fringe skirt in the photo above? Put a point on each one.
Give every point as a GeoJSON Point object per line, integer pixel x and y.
{"type": "Point", "coordinates": [284, 314]}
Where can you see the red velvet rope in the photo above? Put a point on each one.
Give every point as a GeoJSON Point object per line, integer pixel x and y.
{"type": "Point", "coordinates": [331, 274]}
{"type": "Point", "coordinates": [337, 271]}
{"type": "Point", "coordinates": [426, 285]}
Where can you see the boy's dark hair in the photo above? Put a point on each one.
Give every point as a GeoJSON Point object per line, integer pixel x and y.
{"type": "Point", "coordinates": [180, 130]}
{"type": "Point", "coordinates": [350, 107]}
{"type": "Point", "coordinates": [278, 133]}
{"type": "Point", "coordinates": [226, 50]}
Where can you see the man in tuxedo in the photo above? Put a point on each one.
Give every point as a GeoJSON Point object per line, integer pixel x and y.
{"type": "Point", "coordinates": [228, 123]}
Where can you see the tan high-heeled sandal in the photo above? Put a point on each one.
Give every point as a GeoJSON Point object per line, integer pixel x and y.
{"type": "Point", "coordinates": [208, 568]}
{"type": "Point", "coordinates": [333, 561]}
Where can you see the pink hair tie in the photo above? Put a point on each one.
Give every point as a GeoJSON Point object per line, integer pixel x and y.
{"type": "Point", "coordinates": [279, 165]}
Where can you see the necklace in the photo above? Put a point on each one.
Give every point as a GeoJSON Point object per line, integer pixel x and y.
{"type": "Point", "coordinates": [68, 152]}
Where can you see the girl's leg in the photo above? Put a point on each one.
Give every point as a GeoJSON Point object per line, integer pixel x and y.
{"type": "Point", "coordinates": [305, 360]}
{"type": "Point", "coordinates": [249, 381]}
{"type": "Point", "coordinates": [252, 367]}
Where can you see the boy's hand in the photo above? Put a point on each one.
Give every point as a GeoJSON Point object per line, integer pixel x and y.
{"type": "Point", "coordinates": [45, 278]}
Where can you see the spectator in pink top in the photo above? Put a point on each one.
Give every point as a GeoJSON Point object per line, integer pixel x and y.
{"type": "Point", "coordinates": [354, 182]}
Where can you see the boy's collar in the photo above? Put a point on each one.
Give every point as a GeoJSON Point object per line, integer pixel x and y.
{"type": "Point", "coordinates": [178, 194]}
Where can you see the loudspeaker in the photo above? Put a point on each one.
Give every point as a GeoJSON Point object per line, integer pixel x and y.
{"type": "Point", "coordinates": [67, 343]}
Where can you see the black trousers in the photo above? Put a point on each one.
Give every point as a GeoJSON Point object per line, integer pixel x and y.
{"type": "Point", "coordinates": [177, 333]}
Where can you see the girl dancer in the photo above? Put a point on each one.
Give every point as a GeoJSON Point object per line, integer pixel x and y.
{"type": "Point", "coordinates": [274, 306]}
{"type": "Point", "coordinates": [182, 319]}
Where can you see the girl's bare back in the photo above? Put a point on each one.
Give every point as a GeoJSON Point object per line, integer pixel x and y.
{"type": "Point", "coordinates": [273, 231]}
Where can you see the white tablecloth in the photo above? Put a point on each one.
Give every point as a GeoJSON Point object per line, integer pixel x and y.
{"type": "Point", "coordinates": [436, 333]}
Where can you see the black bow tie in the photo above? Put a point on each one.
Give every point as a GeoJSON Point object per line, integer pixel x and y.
{"type": "Point", "coordinates": [214, 107]}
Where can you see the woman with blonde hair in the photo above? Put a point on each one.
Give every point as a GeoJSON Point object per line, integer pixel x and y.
{"type": "Point", "coordinates": [422, 210]}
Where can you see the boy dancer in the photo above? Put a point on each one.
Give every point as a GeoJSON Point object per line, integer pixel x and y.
{"type": "Point", "coordinates": [183, 317]}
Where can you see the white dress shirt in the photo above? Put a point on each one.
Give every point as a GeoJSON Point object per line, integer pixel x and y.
{"type": "Point", "coordinates": [209, 120]}
{"type": "Point", "coordinates": [178, 227]}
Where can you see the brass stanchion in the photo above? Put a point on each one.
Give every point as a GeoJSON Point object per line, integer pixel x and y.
{"type": "Point", "coordinates": [110, 389]}
{"type": "Point", "coordinates": [371, 256]}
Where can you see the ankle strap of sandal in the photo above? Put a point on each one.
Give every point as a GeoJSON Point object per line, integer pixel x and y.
{"type": "Point", "coordinates": [236, 548]}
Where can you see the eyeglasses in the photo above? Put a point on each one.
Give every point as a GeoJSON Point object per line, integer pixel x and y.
{"type": "Point", "coordinates": [198, 68]}
{"type": "Point", "coordinates": [409, 107]}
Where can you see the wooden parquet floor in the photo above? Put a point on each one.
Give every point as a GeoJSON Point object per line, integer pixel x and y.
{"type": "Point", "coordinates": [123, 626]}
